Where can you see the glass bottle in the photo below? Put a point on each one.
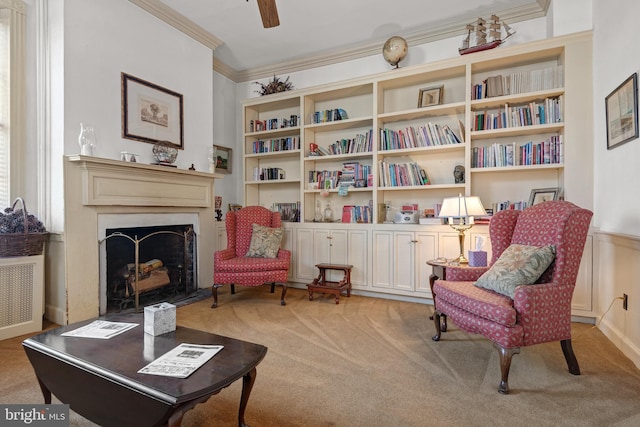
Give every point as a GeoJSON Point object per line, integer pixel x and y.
{"type": "Point", "coordinates": [87, 139]}
{"type": "Point", "coordinates": [318, 215]}
{"type": "Point", "coordinates": [328, 213]}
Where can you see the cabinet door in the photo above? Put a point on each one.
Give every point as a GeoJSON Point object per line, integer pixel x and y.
{"type": "Point", "coordinates": [383, 259]}
{"type": "Point", "coordinates": [449, 245]}
{"type": "Point", "coordinates": [338, 252]}
{"type": "Point", "coordinates": [426, 248]}
{"type": "Point", "coordinates": [358, 255]}
{"type": "Point", "coordinates": [304, 259]}
{"type": "Point", "coordinates": [404, 254]}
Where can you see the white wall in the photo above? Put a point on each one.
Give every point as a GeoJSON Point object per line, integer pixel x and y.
{"type": "Point", "coordinates": [98, 41]}
{"type": "Point", "coordinates": [617, 207]}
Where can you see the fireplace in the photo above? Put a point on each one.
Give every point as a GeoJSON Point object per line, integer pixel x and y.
{"type": "Point", "coordinates": [102, 194]}
{"type": "Point", "coordinates": [147, 265]}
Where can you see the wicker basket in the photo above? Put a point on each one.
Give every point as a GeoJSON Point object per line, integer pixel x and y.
{"type": "Point", "coordinates": [22, 244]}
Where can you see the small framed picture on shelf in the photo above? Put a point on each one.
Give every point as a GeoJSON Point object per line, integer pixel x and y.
{"type": "Point", "coordinates": [430, 96]}
{"type": "Point", "coordinates": [622, 113]}
{"type": "Point", "coordinates": [234, 207]}
{"type": "Point", "coordinates": [540, 195]}
{"type": "Point", "coordinates": [223, 159]}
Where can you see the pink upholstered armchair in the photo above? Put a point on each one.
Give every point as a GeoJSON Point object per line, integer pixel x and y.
{"type": "Point", "coordinates": [232, 266]}
{"type": "Point", "coordinates": [536, 313]}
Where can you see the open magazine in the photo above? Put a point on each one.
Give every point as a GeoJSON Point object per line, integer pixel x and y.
{"type": "Point", "coordinates": [100, 329]}
{"type": "Point", "coordinates": [181, 361]}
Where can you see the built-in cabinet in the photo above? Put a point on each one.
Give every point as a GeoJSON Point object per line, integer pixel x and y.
{"type": "Point", "coordinates": [513, 117]}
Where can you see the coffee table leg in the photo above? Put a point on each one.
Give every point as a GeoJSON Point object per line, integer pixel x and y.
{"type": "Point", "coordinates": [45, 392]}
{"type": "Point", "coordinates": [247, 385]}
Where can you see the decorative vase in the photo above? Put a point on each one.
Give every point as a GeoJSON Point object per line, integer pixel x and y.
{"type": "Point", "coordinates": [86, 139]}
{"type": "Point", "coordinates": [165, 153]}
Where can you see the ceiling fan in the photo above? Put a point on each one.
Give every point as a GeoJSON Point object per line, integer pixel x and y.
{"type": "Point", "coordinates": [269, 13]}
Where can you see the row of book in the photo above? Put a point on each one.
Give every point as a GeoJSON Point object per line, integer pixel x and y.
{"type": "Point", "coordinates": [541, 113]}
{"type": "Point", "coordinates": [357, 214]}
{"type": "Point", "coordinates": [360, 143]}
{"type": "Point", "coordinates": [329, 115]}
{"type": "Point", "coordinates": [279, 144]}
{"type": "Point", "coordinates": [273, 124]}
{"type": "Point", "coordinates": [354, 174]}
{"type": "Point", "coordinates": [549, 151]}
{"type": "Point", "coordinates": [326, 179]}
{"type": "Point", "coordinates": [519, 82]}
{"type": "Point", "coordinates": [401, 174]}
{"type": "Point", "coordinates": [427, 135]}
{"type": "Point", "coordinates": [289, 212]}
{"type": "Point", "coordinates": [267, 174]}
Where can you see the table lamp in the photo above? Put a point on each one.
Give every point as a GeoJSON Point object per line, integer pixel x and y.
{"type": "Point", "coordinates": [464, 209]}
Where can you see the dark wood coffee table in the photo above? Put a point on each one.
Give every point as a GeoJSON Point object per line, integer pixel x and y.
{"type": "Point", "coordinates": [99, 379]}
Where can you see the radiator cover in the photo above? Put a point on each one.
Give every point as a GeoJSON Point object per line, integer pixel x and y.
{"type": "Point", "coordinates": [21, 295]}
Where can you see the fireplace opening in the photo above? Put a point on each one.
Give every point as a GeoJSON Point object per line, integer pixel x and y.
{"type": "Point", "coordinates": [165, 268]}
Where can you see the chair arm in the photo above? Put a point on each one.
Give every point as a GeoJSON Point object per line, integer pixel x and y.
{"type": "Point", "coordinates": [464, 274]}
{"type": "Point", "coordinates": [544, 305]}
{"type": "Point", "coordinates": [284, 254]}
{"type": "Point", "coordinates": [224, 254]}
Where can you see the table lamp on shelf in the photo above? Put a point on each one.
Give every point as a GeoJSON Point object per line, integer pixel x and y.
{"type": "Point", "coordinates": [464, 209]}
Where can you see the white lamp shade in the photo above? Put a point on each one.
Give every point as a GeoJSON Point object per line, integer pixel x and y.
{"type": "Point", "coordinates": [461, 207]}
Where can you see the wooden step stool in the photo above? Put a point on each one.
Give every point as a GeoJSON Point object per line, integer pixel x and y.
{"type": "Point", "coordinates": [321, 284]}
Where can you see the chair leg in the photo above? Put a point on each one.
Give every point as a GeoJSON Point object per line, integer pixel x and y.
{"type": "Point", "coordinates": [233, 289]}
{"type": "Point", "coordinates": [214, 292]}
{"type": "Point", "coordinates": [284, 292]}
{"type": "Point", "coordinates": [505, 365]}
{"type": "Point", "coordinates": [273, 287]}
{"type": "Point", "coordinates": [570, 357]}
{"type": "Point", "coordinates": [436, 322]}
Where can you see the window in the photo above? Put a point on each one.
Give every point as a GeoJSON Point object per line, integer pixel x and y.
{"type": "Point", "coordinates": [12, 97]}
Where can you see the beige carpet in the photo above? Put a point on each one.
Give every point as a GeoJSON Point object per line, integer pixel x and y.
{"type": "Point", "coordinates": [371, 362]}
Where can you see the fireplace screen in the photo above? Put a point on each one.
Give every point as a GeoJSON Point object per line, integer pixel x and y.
{"type": "Point", "coordinates": [146, 265]}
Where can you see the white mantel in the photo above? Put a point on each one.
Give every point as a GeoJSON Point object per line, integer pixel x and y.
{"type": "Point", "coordinates": [95, 186]}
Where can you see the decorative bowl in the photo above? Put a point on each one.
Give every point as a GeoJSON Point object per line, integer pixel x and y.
{"type": "Point", "coordinates": [164, 152]}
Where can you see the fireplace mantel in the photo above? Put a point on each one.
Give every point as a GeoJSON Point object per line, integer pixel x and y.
{"type": "Point", "coordinates": [112, 182]}
{"type": "Point", "coordinates": [95, 186]}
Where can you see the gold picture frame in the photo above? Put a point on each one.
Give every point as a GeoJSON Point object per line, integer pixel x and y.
{"type": "Point", "coordinates": [430, 96]}
{"type": "Point", "coordinates": [223, 159]}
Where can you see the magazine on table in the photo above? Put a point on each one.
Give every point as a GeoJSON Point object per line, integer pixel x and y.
{"type": "Point", "coordinates": [181, 361]}
{"type": "Point", "coordinates": [101, 329]}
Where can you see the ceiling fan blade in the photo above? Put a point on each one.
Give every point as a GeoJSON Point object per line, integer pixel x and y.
{"type": "Point", "coordinates": [269, 13]}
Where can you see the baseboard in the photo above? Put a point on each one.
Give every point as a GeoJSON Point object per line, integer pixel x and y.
{"type": "Point", "coordinates": [55, 314]}
{"type": "Point", "coordinates": [619, 340]}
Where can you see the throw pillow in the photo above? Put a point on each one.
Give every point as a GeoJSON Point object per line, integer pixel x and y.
{"type": "Point", "coordinates": [265, 242]}
{"type": "Point", "coordinates": [518, 265]}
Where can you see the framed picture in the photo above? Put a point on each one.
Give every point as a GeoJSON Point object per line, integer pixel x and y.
{"type": "Point", "coordinates": [223, 159]}
{"type": "Point", "coordinates": [622, 113]}
{"type": "Point", "coordinates": [540, 195]}
{"type": "Point", "coordinates": [233, 207]}
{"type": "Point", "coordinates": [430, 96]}
{"type": "Point", "coordinates": [151, 113]}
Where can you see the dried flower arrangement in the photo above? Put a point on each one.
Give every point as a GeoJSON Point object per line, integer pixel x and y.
{"type": "Point", "coordinates": [274, 86]}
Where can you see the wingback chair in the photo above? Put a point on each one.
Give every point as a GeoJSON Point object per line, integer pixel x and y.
{"type": "Point", "coordinates": [536, 313]}
{"type": "Point", "coordinates": [232, 266]}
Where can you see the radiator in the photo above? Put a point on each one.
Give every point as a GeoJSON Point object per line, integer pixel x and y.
{"type": "Point", "coordinates": [21, 295]}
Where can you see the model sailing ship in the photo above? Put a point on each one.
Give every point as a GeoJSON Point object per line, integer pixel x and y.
{"type": "Point", "coordinates": [479, 37]}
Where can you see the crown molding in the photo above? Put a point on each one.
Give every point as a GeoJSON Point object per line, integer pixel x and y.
{"type": "Point", "coordinates": [535, 9]}
{"type": "Point", "coordinates": [446, 30]}
{"type": "Point", "coordinates": [179, 22]}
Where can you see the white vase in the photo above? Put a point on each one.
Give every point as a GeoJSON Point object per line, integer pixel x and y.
{"type": "Point", "coordinates": [87, 139]}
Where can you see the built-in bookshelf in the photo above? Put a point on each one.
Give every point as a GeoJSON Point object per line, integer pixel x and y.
{"type": "Point", "coordinates": [510, 116]}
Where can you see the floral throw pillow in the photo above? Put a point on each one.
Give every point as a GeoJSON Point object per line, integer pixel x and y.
{"type": "Point", "coordinates": [265, 242]}
{"type": "Point", "coordinates": [518, 265]}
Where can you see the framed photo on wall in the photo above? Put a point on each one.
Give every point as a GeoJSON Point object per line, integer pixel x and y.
{"type": "Point", "coordinates": [622, 113]}
{"type": "Point", "coordinates": [223, 159]}
{"type": "Point", "coordinates": [430, 96]}
{"type": "Point", "coordinates": [151, 113]}
{"type": "Point", "coordinates": [540, 195]}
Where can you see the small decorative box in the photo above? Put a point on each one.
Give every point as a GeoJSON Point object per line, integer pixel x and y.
{"type": "Point", "coordinates": [477, 258]}
{"type": "Point", "coordinates": [160, 318]}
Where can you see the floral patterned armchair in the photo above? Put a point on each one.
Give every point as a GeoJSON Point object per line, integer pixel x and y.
{"type": "Point", "coordinates": [537, 312]}
{"type": "Point", "coordinates": [253, 256]}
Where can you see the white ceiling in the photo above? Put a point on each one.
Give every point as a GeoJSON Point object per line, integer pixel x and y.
{"type": "Point", "coordinates": [315, 28]}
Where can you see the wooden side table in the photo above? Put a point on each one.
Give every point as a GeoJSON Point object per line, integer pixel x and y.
{"type": "Point", "coordinates": [438, 271]}
{"type": "Point", "coordinates": [321, 284]}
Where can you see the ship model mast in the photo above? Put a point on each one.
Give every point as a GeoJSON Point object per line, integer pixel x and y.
{"type": "Point", "coordinates": [480, 38]}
